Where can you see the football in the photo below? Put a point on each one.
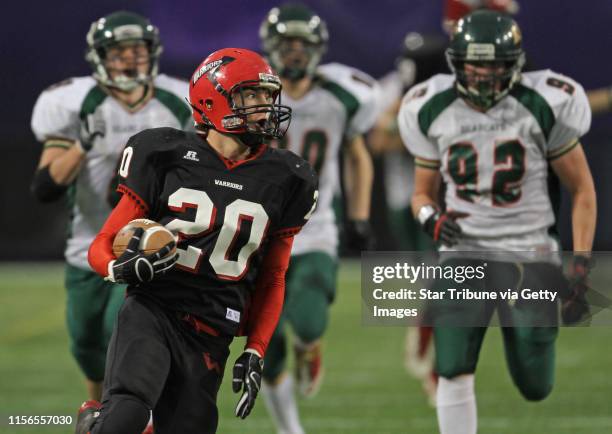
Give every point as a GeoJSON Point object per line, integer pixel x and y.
{"type": "Point", "coordinates": [155, 237]}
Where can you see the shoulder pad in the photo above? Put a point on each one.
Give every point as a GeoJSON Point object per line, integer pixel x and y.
{"type": "Point", "coordinates": [344, 73]}
{"type": "Point", "coordinates": [171, 92]}
{"type": "Point", "coordinates": [173, 84]}
{"type": "Point", "coordinates": [420, 107]}
{"type": "Point", "coordinates": [56, 113]}
{"type": "Point", "coordinates": [421, 93]}
{"type": "Point", "coordinates": [68, 93]}
{"type": "Point", "coordinates": [157, 139]}
{"type": "Point", "coordinates": [297, 165]}
{"type": "Point", "coordinates": [558, 103]}
{"type": "Point", "coordinates": [426, 100]}
{"type": "Point", "coordinates": [356, 82]}
{"type": "Point", "coordinates": [555, 88]}
{"type": "Point", "coordinates": [358, 92]}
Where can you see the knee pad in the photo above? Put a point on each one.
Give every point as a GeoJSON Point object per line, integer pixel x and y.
{"type": "Point", "coordinates": [531, 361]}
{"type": "Point", "coordinates": [534, 389]}
{"type": "Point", "coordinates": [308, 313]}
{"type": "Point", "coordinates": [455, 391]}
{"type": "Point", "coordinates": [122, 414]}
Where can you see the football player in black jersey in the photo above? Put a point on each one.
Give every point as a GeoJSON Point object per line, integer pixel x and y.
{"type": "Point", "coordinates": [234, 204]}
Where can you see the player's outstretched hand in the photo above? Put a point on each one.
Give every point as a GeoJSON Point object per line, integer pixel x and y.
{"type": "Point", "coordinates": [247, 378]}
{"type": "Point", "coordinates": [443, 227]}
{"type": "Point", "coordinates": [575, 307]}
{"type": "Point", "coordinates": [134, 267]}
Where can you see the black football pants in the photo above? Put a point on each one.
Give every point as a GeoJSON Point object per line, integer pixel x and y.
{"type": "Point", "coordinates": [157, 361]}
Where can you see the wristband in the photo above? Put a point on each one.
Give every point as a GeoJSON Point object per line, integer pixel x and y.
{"type": "Point", "coordinates": [425, 212]}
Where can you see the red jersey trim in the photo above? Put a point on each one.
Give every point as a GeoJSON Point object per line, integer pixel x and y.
{"type": "Point", "coordinates": [286, 232]}
{"type": "Point", "coordinates": [134, 196]}
{"type": "Point", "coordinates": [232, 164]}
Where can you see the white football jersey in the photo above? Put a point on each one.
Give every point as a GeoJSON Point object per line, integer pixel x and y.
{"type": "Point", "coordinates": [341, 105]}
{"type": "Point", "coordinates": [58, 115]}
{"type": "Point", "coordinates": [495, 164]}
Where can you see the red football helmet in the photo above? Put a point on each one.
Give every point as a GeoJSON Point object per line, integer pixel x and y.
{"type": "Point", "coordinates": [216, 94]}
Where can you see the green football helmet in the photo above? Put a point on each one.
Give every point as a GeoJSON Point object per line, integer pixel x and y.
{"type": "Point", "coordinates": [114, 30]}
{"type": "Point", "coordinates": [289, 22]}
{"type": "Point", "coordinates": [489, 41]}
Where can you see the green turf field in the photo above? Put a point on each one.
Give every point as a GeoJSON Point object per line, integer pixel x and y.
{"type": "Point", "coordinates": [366, 389]}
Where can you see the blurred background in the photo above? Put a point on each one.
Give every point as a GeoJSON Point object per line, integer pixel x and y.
{"type": "Point", "coordinates": [44, 43]}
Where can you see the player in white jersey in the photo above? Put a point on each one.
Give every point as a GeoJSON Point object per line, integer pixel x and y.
{"type": "Point", "coordinates": [490, 133]}
{"type": "Point", "coordinates": [84, 123]}
{"type": "Point", "coordinates": [332, 106]}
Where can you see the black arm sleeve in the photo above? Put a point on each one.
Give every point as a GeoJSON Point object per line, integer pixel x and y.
{"type": "Point", "coordinates": [44, 188]}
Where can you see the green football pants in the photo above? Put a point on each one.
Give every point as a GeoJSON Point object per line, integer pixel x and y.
{"type": "Point", "coordinates": [91, 310]}
{"type": "Point", "coordinates": [529, 350]}
{"type": "Point", "coordinates": [310, 289]}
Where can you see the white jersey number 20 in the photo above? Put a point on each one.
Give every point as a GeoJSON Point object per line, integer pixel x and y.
{"type": "Point", "coordinates": [227, 263]}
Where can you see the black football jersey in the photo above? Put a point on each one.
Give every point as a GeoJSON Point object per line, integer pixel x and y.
{"type": "Point", "coordinates": [223, 214]}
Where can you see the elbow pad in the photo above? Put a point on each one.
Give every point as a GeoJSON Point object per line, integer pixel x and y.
{"type": "Point", "coordinates": [44, 188]}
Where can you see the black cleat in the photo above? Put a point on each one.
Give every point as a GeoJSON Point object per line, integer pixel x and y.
{"type": "Point", "coordinates": [88, 413]}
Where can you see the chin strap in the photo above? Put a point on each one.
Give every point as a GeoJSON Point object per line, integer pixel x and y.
{"type": "Point", "coordinates": [249, 139]}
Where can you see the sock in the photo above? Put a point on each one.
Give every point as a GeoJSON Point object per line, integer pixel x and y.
{"type": "Point", "coordinates": [456, 405]}
{"type": "Point", "coordinates": [282, 406]}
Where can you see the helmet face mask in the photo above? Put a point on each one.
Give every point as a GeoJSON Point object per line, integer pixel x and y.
{"type": "Point", "coordinates": [115, 50]}
{"type": "Point", "coordinates": [294, 39]}
{"type": "Point", "coordinates": [486, 56]}
{"type": "Point", "coordinates": [234, 91]}
{"type": "Point", "coordinates": [127, 64]}
{"type": "Point", "coordinates": [485, 83]}
{"type": "Point", "coordinates": [258, 107]}
{"type": "Point", "coordinates": [296, 58]}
